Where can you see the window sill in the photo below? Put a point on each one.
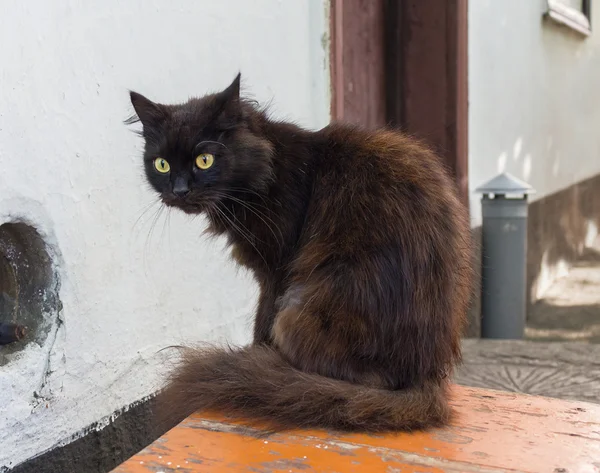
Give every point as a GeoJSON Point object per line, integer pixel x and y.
{"type": "Point", "coordinates": [570, 17]}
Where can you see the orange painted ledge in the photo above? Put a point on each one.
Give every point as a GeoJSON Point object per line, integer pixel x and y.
{"type": "Point", "coordinates": [494, 431]}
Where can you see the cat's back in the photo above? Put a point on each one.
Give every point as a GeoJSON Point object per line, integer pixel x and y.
{"type": "Point", "coordinates": [380, 189]}
{"type": "Point", "coordinates": [382, 161]}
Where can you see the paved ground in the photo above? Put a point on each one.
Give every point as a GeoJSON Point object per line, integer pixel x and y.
{"type": "Point", "coordinates": [570, 310]}
{"type": "Point", "coordinates": [561, 356]}
{"type": "Point", "coordinates": [564, 370]}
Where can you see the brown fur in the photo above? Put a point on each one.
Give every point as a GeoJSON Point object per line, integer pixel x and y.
{"type": "Point", "coordinates": [257, 381]}
{"type": "Point", "coordinates": [363, 256]}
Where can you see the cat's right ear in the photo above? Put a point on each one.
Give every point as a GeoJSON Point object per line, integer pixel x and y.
{"type": "Point", "coordinates": [149, 113]}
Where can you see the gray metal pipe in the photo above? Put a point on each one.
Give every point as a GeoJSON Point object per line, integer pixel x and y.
{"type": "Point", "coordinates": [504, 257]}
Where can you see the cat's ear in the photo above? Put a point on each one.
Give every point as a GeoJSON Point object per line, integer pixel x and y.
{"type": "Point", "coordinates": [150, 114]}
{"type": "Point", "coordinates": [233, 91]}
{"type": "Point", "coordinates": [230, 110]}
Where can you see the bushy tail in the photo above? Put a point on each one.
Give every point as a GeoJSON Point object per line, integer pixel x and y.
{"type": "Point", "coordinates": [256, 384]}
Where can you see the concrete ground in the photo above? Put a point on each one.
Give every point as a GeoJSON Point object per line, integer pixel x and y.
{"type": "Point", "coordinates": [561, 354]}
{"type": "Point", "coordinates": [570, 310]}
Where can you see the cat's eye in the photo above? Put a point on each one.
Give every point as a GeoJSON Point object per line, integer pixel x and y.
{"type": "Point", "coordinates": [162, 165]}
{"type": "Point", "coordinates": [205, 160]}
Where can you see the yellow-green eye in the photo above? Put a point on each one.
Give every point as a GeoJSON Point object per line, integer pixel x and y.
{"type": "Point", "coordinates": [205, 160]}
{"type": "Point", "coordinates": [162, 165]}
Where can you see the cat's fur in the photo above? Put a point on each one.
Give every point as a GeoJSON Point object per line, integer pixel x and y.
{"type": "Point", "coordinates": [360, 247]}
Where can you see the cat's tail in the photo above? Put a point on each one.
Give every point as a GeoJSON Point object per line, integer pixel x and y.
{"type": "Point", "coordinates": [256, 384]}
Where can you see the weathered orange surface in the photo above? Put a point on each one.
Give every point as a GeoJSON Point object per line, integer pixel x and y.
{"type": "Point", "coordinates": [494, 431]}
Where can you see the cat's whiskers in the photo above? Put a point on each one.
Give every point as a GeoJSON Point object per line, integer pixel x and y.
{"type": "Point", "coordinates": [255, 204]}
{"type": "Point", "coordinates": [154, 205]}
{"type": "Point", "coordinates": [144, 211]}
{"type": "Point", "coordinates": [248, 191]}
{"type": "Point", "coordinates": [168, 226]}
{"type": "Point", "coordinates": [241, 232]}
{"type": "Point", "coordinates": [153, 223]}
{"type": "Point", "coordinates": [261, 215]}
{"type": "Point", "coordinates": [212, 220]}
{"type": "Point", "coordinates": [241, 227]}
{"type": "Point", "coordinates": [214, 142]}
{"type": "Point", "coordinates": [155, 219]}
{"type": "Point", "coordinates": [165, 222]}
{"type": "Point", "coordinates": [213, 217]}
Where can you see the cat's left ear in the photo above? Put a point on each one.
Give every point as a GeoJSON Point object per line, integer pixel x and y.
{"type": "Point", "coordinates": [233, 91]}
{"type": "Point", "coordinates": [230, 107]}
{"type": "Point", "coordinates": [150, 114]}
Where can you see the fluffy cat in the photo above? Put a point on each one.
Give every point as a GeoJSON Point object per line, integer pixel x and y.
{"type": "Point", "coordinates": [360, 247]}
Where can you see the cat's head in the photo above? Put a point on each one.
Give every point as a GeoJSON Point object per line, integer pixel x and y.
{"type": "Point", "coordinates": [199, 152]}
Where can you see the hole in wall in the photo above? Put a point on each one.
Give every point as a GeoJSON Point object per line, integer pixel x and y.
{"type": "Point", "coordinates": [28, 285]}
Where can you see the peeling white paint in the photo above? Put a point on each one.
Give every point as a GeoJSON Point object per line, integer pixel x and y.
{"type": "Point", "coordinates": [73, 170]}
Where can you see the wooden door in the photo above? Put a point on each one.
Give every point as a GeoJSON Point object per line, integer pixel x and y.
{"type": "Point", "coordinates": [404, 63]}
{"type": "Point", "coordinates": [358, 62]}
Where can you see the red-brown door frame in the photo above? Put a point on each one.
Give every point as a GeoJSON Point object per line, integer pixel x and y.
{"type": "Point", "coordinates": [336, 46]}
{"type": "Point", "coordinates": [426, 73]}
{"type": "Point", "coordinates": [358, 55]}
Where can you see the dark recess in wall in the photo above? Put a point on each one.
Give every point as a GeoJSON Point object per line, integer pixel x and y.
{"type": "Point", "coordinates": [29, 285]}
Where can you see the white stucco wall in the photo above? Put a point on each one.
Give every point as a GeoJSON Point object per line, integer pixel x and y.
{"type": "Point", "coordinates": [70, 166]}
{"type": "Point", "coordinates": [534, 98]}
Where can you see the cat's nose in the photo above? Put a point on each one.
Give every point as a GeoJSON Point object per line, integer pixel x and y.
{"type": "Point", "coordinates": [181, 192]}
{"type": "Point", "coordinates": [180, 187]}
